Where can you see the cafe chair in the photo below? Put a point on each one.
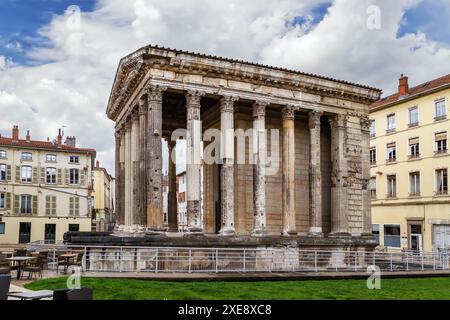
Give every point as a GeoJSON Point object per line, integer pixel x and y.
{"type": "Point", "coordinates": [83, 293]}
{"type": "Point", "coordinates": [5, 281]}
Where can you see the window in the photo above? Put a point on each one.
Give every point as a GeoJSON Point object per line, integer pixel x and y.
{"type": "Point", "coordinates": [414, 183]}
{"type": "Point", "coordinates": [2, 172]}
{"type": "Point", "coordinates": [2, 154]}
{"type": "Point", "coordinates": [391, 152]}
{"type": "Point", "coordinates": [373, 156]}
{"type": "Point", "coordinates": [413, 117]}
{"type": "Point", "coordinates": [390, 123]}
{"type": "Point", "coordinates": [372, 128]}
{"type": "Point", "coordinates": [414, 148]}
{"type": "Point", "coordinates": [376, 233]}
{"type": "Point", "coordinates": [74, 227]}
{"type": "Point", "coordinates": [373, 187]}
{"type": "Point", "coordinates": [392, 186]}
{"type": "Point", "coordinates": [392, 236]}
{"type": "Point", "coordinates": [441, 181]}
{"type": "Point", "coordinates": [441, 112]}
{"type": "Point", "coordinates": [50, 205]}
{"type": "Point", "coordinates": [27, 156]}
{"type": "Point", "coordinates": [2, 200]}
{"type": "Point", "coordinates": [50, 158]}
{"type": "Point", "coordinates": [25, 204]}
{"type": "Point", "coordinates": [74, 159]}
{"type": "Point", "coordinates": [74, 176]}
{"type": "Point", "coordinates": [74, 206]}
{"type": "Point", "coordinates": [26, 174]}
{"type": "Point", "coordinates": [51, 175]}
{"type": "Point", "coordinates": [2, 228]}
{"type": "Point", "coordinates": [441, 142]}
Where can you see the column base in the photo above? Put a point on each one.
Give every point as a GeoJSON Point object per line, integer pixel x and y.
{"type": "Point", "coordinates": [227, 232]}
{"type": "Point", "coordinates": [195, 230]}
{"type": "Point", "coordinates": [289, 234]}
{"type": "Point", "coordinates": [340, 235]}
{"type": "Point", "coordinates": [315, 232]}
{"type": "Point", "coordinates": [258, 233]}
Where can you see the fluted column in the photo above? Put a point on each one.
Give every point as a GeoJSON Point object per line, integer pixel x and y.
{"type": "Point", "coordinates": [288, 180]}
{"type": "Point", "coordinates": [128, 180]}
{"type": "Point", "coordinates": [172, 206]}
{"type": "Point", "coordinates": [135, 168]}
{"type": "Point", "coordinates": [227, 147]}
{"type": "Point", "coordinates": [315, 181]}
{"type": "Point", "coordinates": [259, 163]}
{"type": "Point", "coordinates": [154, 158]}
{"type": "Point", "coordinates": [193, 140]}
{"type": "Point", "coordinates": [365, 164]}
{"type": "Point", "coordinates": [121, 191]}
{"type": "Point", "coordinates": [118, 210]}
{"type": "Point", "coordinates": [339, 174]}
{"type": "Point", "coordinates": [142, 213]}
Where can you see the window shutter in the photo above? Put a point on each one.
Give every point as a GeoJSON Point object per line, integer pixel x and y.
{"type": "Point", "coordinates": [43, 180]}
{"type": "Point", "coordinates": [59, 178]}
{"type": "Point", "coordinates": [71, 206]}
{"type": "Point", "coordinates": [8, 172]}
{"type": "Point", "coordinates": [34, 210]}
{"type": "Point", "coordinates": [53, 205]}
{"type": "Point", "coordinates": [47, 205]}
{"type": "Point", "coordinates": [82, 177]}
{"type": "Point", "coordinates": [66, 176]}
{"type": "Point", "coordinates": [8, 201]}
{"type": "Point", "coordinates": [16, 203]}
{"type": "Point", "coordinates": [35, 175]}
{"type": "Point", "coordinates": [17, 173]}
{"type": "Point", "coordinates": [77, 206]}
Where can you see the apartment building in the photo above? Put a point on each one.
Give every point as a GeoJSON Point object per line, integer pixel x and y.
{"type": "Point", "coordinates": [45, 188]}
{"type": "Point", "coordinates": [409, 167]}
{"type": "Point", "coordinates": [102, 199]}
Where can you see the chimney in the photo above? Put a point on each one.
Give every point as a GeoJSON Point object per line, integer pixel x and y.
{"type": "Point", "coordinates": [403, 86]}
{"type": "Point", "coordinates": [97, 164]}
{"type": "Point", "coordinates": [28, 138]}
{"type": "Point", "coordinates": [70, 141]}
{"type": "Point", "coordinates": [15, 133]}
{"type": "Point", "coordinates": [59, 138]}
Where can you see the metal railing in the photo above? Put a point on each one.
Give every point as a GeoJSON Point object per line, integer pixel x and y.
{"type": "Point", "coordinates": [242, 260]}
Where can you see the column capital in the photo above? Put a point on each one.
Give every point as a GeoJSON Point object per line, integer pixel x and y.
{"type": "Point", "coordinates": [155, 92]}
{"type": "Point", "coordinates": [127, 124]}
{"type": "Point", "coordinates": [314, 118]}
{"type": "Point", "coordinates": [135, 115]}
{"type": "Point", "coordinates": [259, 108]}
{"type": "Point", "coordinates": [288, 113]}
{"type": "Point", "coordinates": [339, 120]}
{"type": "Point", "coordinates": [193, 98]}
{"type": "Point", "coordinates": [227, 103]}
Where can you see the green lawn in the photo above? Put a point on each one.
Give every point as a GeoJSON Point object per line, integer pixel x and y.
{"type": "Point", "coordinates": [119, 289]}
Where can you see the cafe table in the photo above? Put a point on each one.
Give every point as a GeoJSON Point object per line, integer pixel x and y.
{"type": "Point", "coordinates": [19, 261]}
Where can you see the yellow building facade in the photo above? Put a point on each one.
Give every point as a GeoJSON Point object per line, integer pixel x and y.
{"type": "Point", "coordinates": [102, 196]}
{"type": "Point", "coordinates": [409, 167]}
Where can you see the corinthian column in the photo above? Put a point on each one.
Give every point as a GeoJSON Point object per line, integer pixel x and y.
{"type": "Point", "coordinates": [289, 227]}
{"type": "Point", "coordinates": [172, 196]}
{"type": "Point", "coordinates": [339, 192]}
{"type": "Point", "coordinates": [154, 158]}
{"type": "Point", "coordinates": [128, 180]}
{"type": "Point", "coordinates": [193, 141]}
{"type": "Point", "coordinates": [315, 181]}
{"type": "Point", "coordinates": [259, 175]}
{"type": "Point", "coordinates": [135, 167]}
{"type": "Point", "coordinates": [118, 180]}
{"type": "Point", "coordinates": [227, 128]}
{"type": "Point", "coordinates": [142, 214]}
{"type": "Point", "coordinates": [365, 164]}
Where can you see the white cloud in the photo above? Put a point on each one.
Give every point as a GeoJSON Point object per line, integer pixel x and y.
{"type": "Point", "coordinates": [71, 83]}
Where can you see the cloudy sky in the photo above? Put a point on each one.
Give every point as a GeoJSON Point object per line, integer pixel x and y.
{"type": "Point", "coordinates": [57, 70]}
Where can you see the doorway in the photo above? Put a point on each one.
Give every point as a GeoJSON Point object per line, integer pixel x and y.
{"type": "Point", "coordinates": [50, 233]}
{"type": "Point", "coordinates": [415, 238]}
{"type": "Point", "coordinates": [25, 232]}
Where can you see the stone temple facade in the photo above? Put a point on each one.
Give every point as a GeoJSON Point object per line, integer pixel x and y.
{"type": "Point", "coordinates": [319, 187]}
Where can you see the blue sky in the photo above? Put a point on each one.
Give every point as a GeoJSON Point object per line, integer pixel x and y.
{"type": "Point", "coordinates": [21, 19]}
